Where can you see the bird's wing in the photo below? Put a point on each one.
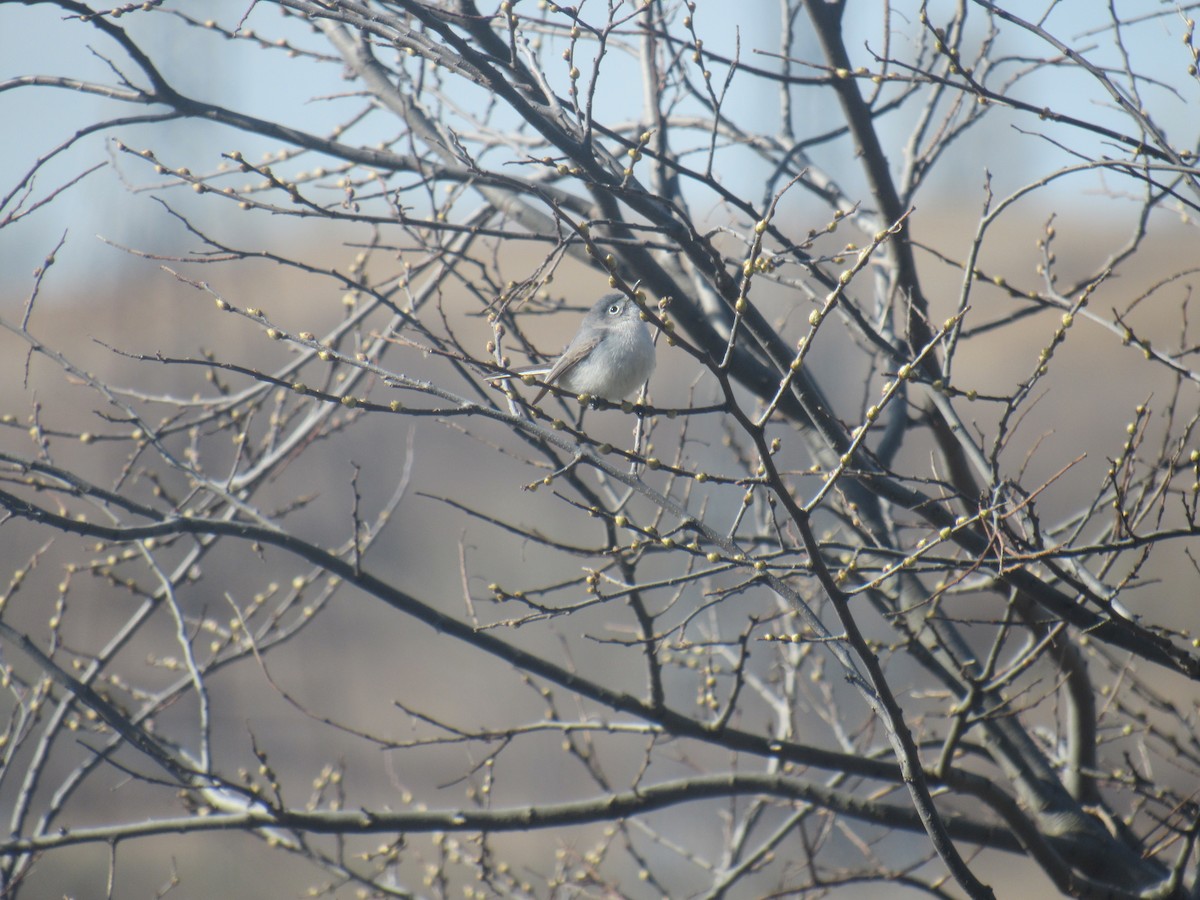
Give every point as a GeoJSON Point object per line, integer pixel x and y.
{"type": "Point", "coordinates": [576, 353]}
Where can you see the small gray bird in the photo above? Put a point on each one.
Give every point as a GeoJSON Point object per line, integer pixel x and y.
{"type": "Point", "coordinates": [610, 357]}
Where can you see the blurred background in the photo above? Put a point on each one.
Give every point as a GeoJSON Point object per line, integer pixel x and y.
{"type": "Point", "coordinates": [107, 300]}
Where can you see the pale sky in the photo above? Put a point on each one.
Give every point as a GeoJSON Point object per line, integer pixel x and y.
{"type": "Point", "coordinates": [38, 40]}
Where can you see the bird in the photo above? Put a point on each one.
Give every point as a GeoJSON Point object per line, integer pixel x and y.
{"type": "Point", "coordinates": [610, 357]}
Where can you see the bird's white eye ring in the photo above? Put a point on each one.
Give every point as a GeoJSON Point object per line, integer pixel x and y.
{"type": "Point", "coordinates": [614, 308]}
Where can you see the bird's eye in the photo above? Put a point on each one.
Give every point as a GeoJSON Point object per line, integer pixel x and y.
{"type": "Point", "coordinates": [614, 308]}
